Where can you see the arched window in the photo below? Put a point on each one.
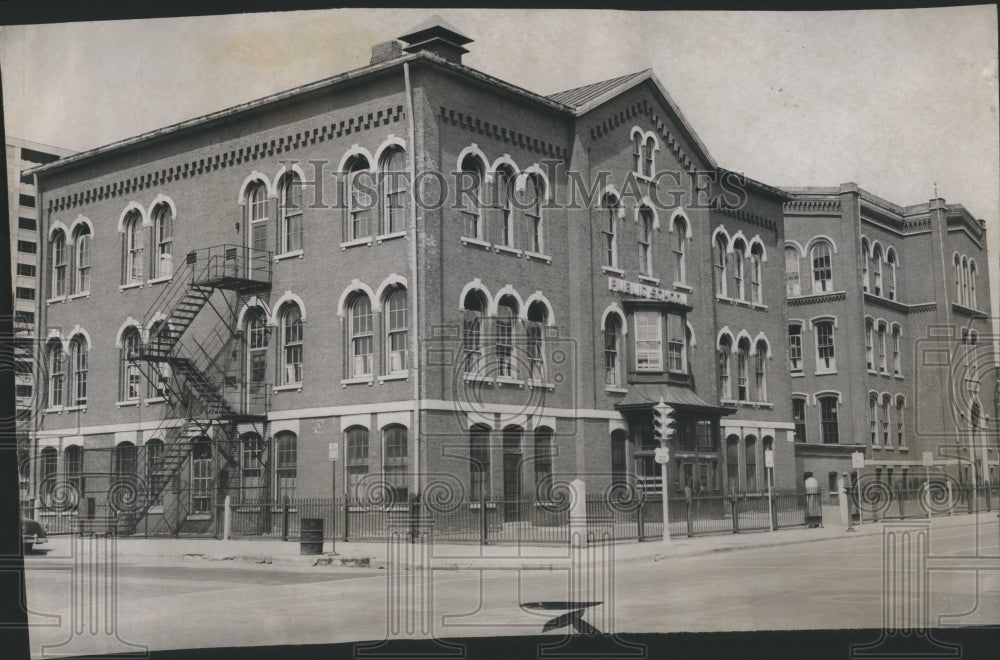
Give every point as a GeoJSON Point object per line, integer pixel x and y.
{"type": "Point", "coordinates": [829, 419]}
{"type": "Point", "coordinates": [163, 234]}
{"type": "Point", "coordinates": [870, 344]}
{"type": "Point", "coordinates": [799, 418]}
{"type": "Point", "coordinates": [124, 461]}
{"type": "Point", "coordinates": [534, 195]}
{"type": "Point", "coordinates": [739, 262]}
{"type": "Point", "coordinates": [73, 468]}
{"type": "Point", "coordinates": [257, 224]}
{"type": "Point", "coordinates": [680, 236]}
{"type": "Point", "coordinates": [733, 463]}
{"type": "Point", "coordinates": [646, 241]}
{"type": "Point", "coordinates": [742, 366]}
{"type": "Point", "coordinates": [826, 359]}
{"type": "Point", "coordinates": [505, 213]}
{"type": "Point", "coordinates": [609, 211]}
{"type": "Point", "coordinates": [725, 355]}
{"type": "Point", "coordinates": [877, 270]}
{"type": "Point", "coordinates": [719, 257]}
{"type": "Point", "coordinates": [57, 373]}
{"type": "Point", "coordinates": [506, 318]}
{"type": "Point", "coordinates": [290, 214]}
{"type": "Point", "coordinates": [472, 189]}
{"type": "Point", "coordinates": [822, 267]}
{"type": "Point", "coordinates": [359, 199]}
{"type": "Point", "coordinates": [257, 337]}
{"type": "Point", "coordinates": [396, 340]}
{"type": "Point", "coordinates": [958, 280]}
{"type": "Point", "coordinates": [59, 259]}
{"type": "Point", "coordinates": [890, 274]}
{"type": "Point", "coordinates": [972, 302]}
{"type": "Point", "coordinates": [285, 464]}
{"type": "Point", "coordinates": [795, 347]}
{"type": "Point", "coordinates": [48, 465]}
{"type": "Point", "coordinates": [129, 375]}
{"type": "Point", "coordinates": [78, 361]}
{"type": "Point", "coordinates": [873, 419]}
{"type": "Point", "coordinates": [535, 334]}
{"type": "Point", "coordinates": [154, 454]}
{"type": "Point", "coordinates": [965, 282]}
{"type": "Point", "coordinates": [543, 456]}
{"type": "Point", "coordinates": [619, 455]}
{"type": "Point", "coordinates": [882, 364]}
{"type": "Point", "coordinates": [760, 370]}
{"type": "Point", "coordinates": [201, 475]}
{"type": "Point", "coordinates": [357, 459]}
{"type": "Point", "coordinates": [252, 467]}
{"type": "Point", "coordinates": [900, 404]}
{"type": "Point", "coordinates": [750, 460]}
{"type": "Point", "coordinates": [394, 185]}
{"type": "Point", "coordinates": [754, 262]}
{"type": "Point", "coordinates": [793, 286]}
{"type": "Point", "coordinates": [291, 344]}
{"type": "Point", "coordinates": [865, 257]}
{"type": "Point", "coordinates": [474, 310]}
{"type": "Point", "coordinates": [649, 147]}
{"type": "Point", "coordinates": [612, 349]}
{"type": "Point", "coordinates": [361, 336]}
{"type": "Point", "coordinates": [395, 460]}
{"type": "Point", "coordinates": [896, 366]}
{"type": "Point", "coordinates": [886, 407]}
{"type": "Point", "coordinates": [637, 152]}
{"type": "Point", "coordinates": [81, 241]}
{"type": "Point", "coordinates": [479, 462]}
{"type": "Point", "coordinates": [133, 245]}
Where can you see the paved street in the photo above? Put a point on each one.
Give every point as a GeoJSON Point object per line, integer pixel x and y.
{"type": "Point", "coordinates": [834, 583]}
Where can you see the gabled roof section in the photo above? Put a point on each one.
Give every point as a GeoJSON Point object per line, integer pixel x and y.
{"type": "Point", "coordinates": [586, 98]}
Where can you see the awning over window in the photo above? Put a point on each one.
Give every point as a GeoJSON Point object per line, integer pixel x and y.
{"type": "Point", "coordinates": [645, 395]}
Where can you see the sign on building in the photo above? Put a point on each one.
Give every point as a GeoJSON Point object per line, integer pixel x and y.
{"type": "Point", "coordinates": [857, 460]}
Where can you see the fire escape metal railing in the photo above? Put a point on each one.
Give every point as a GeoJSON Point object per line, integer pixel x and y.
{"type": "Point", "coordinates": [194, 377]}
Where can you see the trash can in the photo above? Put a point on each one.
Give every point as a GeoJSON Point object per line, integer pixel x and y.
{"type": "Point", "coordinates": [311, 536]}
{"type": "Point", "coordinates": [814, 503]}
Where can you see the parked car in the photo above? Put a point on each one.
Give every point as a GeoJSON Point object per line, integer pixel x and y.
{"type": "Point", "coordinates": [32, 533]}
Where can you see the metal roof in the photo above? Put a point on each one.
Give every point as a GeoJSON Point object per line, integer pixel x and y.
{"type": "Point", "coordinates": [579, 96]}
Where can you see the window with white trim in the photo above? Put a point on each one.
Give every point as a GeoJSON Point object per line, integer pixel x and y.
{"type": "Point", "coordinates": [361, 338]}
{"type": "Point", "coordinates": [57, 373]}
{"type": "Point", "coordinates": [479, 462]}
{"type": "Point", "coordinates": [82, 241]}
{"type": "Point", "coordinates": [290, 213]}
{"type": "Point", "coordinates": [646, 241]}
{"type": "Point", "coordinates": [972, 302]}
{"type": "Point", "coordinates": [612, 338]}
{"type": "Point", "coordinates": [896, 366]}
{"type": "Point", "coordinates": [130, 377]}
{"type": "Point", "coordinates": [395, 461]}
{"type": "Point", "coordinates": [739, 262]}
{"type": "Point", "coordinates": [285, 465]}
{"type": "Point", "coordinates": [506, 318]}
{"type": "Point", "coordinates": [163, 233]}
{"type": "Point", "coordinates": [793, 285]}
{"type": "Point", "coordinates": [609, 209]}
{"type": "Point", "coordinates": [886, 439]}
{"type": "Point", "coordinates": [472, 197]}
{"type": "Point", "coordinates": [534, 194]}
{"type": "Point", "coordinates": [877, 270]}
{"type": "Point", "coordinates": [870, 345]}
{"type": "Point", "coordinates": [78, 360]}
{"type": "Point", "coordinates": [825, 349]}
{"type": "Point", "coordinates": [649, 146]}
{"type": "Point", "coordinates": [680, 236]}
{"type": "Point", "coordinates": [754, 262]}
{"type": "Point", "coordinates": [59, 259]}
{"type": "Point", "coordinates": [822, 267]}
{"type": "Point", "coordinates": [359, 199]}
{"type": "Point", "coordinates": [865, 258]}
{"type": "Point", "coordinates": [724, 356]}
{"type": "Point", "coordinates": [676, 344]}
{"type": "Point", "coordinates": [900, 439]}
{"type": "Point", "coordinates": [396, 331]}
{"type": "Point", "coordinates": [256, 211]}
{"type": "Point", "coordinates": [720, 258]}
{"type": "Point", "coordinates": [473, 313]}
{"type": "Point", "coordinates": [873, 419]}
{"type": "Point", "coordinates": [829, 419]}
{"type": "Point", "coordinates": [882, 364]}
{"type": "Point", "coordinates": [291, 344]}
{"type": "Point", "coordinates": [799, 418]}
{"type": "Point", "coordinates": [958, 280]}
{"type": "Point", "coordinates": [742, 365]}
{"type": "Point", "coordinates": [133, 248]}
{"type": "Point", "coordinates": [535, 337]}
{"type": "Point", "coordinates": [394, 184]}
{"type": "Point", "coordinates": [890, 274]}
{"type": "Point", "coordinates": [760, 370]}
{"type": "Point", "coordinates": [504, 182]}
{"type": "Point", "coordinates": [356, 448]}
{"type": "Point", "coordinates": [795, 347]}
{"type": "Point", "coordinates": [648, 341]}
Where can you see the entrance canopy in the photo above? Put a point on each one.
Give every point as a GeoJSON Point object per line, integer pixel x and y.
{"type": "Point", "coordinates": [645, 395]}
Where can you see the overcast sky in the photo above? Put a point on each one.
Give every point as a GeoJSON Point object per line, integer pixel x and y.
{"type": "Point", "coordinates": [897, 101]}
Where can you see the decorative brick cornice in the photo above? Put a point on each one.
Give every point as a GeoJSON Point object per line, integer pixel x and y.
{"type": "Point", "coordinates": [895, 305]}
{"type": "Point", "coordinates": [746, 216]}
{"type": "Point", "coordinates": [967, 311]}
{"type": "Point", "coordinates": [813, 206]}
{"type": "Point", "coordinates": [833, 296]}
{"type": "Point", "coordinates": [643, 108]}
{"type": "Point", "coordinates": [234, 156]}
{"type": "Point", "coordinates": [503, 134]}
{"type": "Point", "coordinates": [922, 308]}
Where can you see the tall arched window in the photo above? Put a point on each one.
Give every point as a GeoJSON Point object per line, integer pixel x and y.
{"type": "Point", "coordinates": [646, 241]}
{"type": "Point", "coordinates": [826, 357]}
{"type": "Point", "coordinates": [359, 199]}
{"type": "Point", "coordinates": [395, 458]}
{"type": "Point", "coordinates": [472, 197]}
{"type": "Point", "coordinates": [649, 146]}
{"type": "Point", "coordinates": [733, 463]}
{"type": "Point", "coordinates": [750, 460]}
{"type": "Point", "coordinates": [890, 274]}
{"type": "Point", "coordinates": [474, 310]}
{"type": "Point", "coordinates": [680, 236]}
{"type": "Point", "coordinates": [291, 344]}
{"type": "Point", "coordinates": [719, 257]}
{"type": "Point", "coordinates": [612, 349]}
{"type": "Point", "coordinates": [609, 211]}
{"type": "Point", "coordinates": [504, 182]}
{"type": "Point", "coordinates": [829, 418]}
{"type": "Point", "coordinates": [290, 214]}
{"type": "Point", "coordinates": [534, 195]}
{"type": "Point", "coordinates": [133, 245]}
{"type": "Point", "coordinates": [873, 419]}
{"type": "Point", "coordinates": [163, 235]}
{"type": "Point", "coordinates": [47, 471]}
{"type": "Point", "coordinates": [154, 452]}
{"type": "Point", "coordinates": [538, 316]}
{"type": "Point", "coordinates": [896, 366]}
{"type": "Point", "coordinates": [900, 438]}
{"type": "Point", "coordinates": [252, 467]}
{"type": "Point", "coordinates": [877, 270]}
{"type": "Point", "coordinates": [822, 267]}
{"type": "Point", "coordinates": [742, 366]}
{"type": "Point", "coordinates": [394, 184]}
{"type": "Point", "coordinates": [357, 458]}
{"type": "Point", "coordinates": [543, 456]}
{"type": "Point", "coordinates": [201, 475]}
{"type": "Point", "coordinates": [124, 461]}
{"type": "Point", "coordinates": [637, 152]}
{"type": "Point", "coordinates": [619, 455]}
{"type": "Point", "coordinates": [965, 282]}
{"type": "Point", "coordinates": [795, 347]}
{"type": "Point", "coordinates": [78, 361]}
{"type": "Point", "coordinates": [73, 468]}
{"type": "Point", "coordinates": [972, 302]}
{"type": "Point", "coordinates": [886, 408]}
{"type": "Point", "coordinates": [57, 373]}
{"type": "Point", "coordinates": [724, 356]}
{"type": "Point", "coordinates": [59, 260]}
{"type": "Point", "coordinates": [739, 263]}
{"type": "Point", "coordinates": [865, 263]}
{"type": "Point", "coordinates": [130, 377]}
{"type": "Point", "coordinates": [793, 285]}
{"type": "Point", "coordinates": [882, 361]}
{"type": "Point", "coordinates": [285, 464]}
{"type": "Point", "coordinates": [257, 337]}
{"type": "Point", "coordinates": [81, 242]}
{"type": "Point", "coordinates": [361, 336]}
{"type": "Point", "coordinates": [257, 223]}
{"type": "Point", "coordinates": [396, 340]}
{"type": "Point", "coordinates": [506, 319]}
{"type": "Point", "coordinates": [760, 369]}
{"type": "Point", "coordinates": [870, 344]}
{"type": "Point", "coordinates": [958, 280]}
{"type": "Point", "coordinates": [755, 260]}
{"type": "Point", "coordinates": [479, 462]}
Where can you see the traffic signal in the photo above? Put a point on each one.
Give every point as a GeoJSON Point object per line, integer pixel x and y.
{"type": "Point", "coordinates": [663, 421]}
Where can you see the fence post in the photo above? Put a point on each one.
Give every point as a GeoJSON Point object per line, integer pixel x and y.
{"type": "Point", "coordinates": [482, 516]}
{"type": "Point", "coordinates": [774, 508]}
{"type": "Point", "coordinates": [226, 519]}
{"type": "Point", "coordinates": [640, 521]}
{"type": "Point", "coordinates": [414, 514]}
{"type": "Point", "coordinates": [284, 520]}
{"type": "Point", "coordinates": [347, 517]}
{"type": "Point", "coordinates": [736, 513]}
{"type": "Point", "coordinates": [690, 524]}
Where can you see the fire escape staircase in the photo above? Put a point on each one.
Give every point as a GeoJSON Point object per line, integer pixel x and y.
{"type": "Point", "coordinates": [194, 376]}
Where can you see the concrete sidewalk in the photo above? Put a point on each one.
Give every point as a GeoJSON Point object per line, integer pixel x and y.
{"type": "Point", "coordinates": [472, 556]}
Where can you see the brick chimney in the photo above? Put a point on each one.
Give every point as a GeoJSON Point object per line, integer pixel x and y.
{"type": "Point", "coordinates": [385, 51]}
{"type": "Point", "coordinates": [437, 36]}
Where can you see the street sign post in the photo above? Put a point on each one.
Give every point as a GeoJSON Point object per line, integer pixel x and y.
{"type": "Point", "coordinates": [769, 466]}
